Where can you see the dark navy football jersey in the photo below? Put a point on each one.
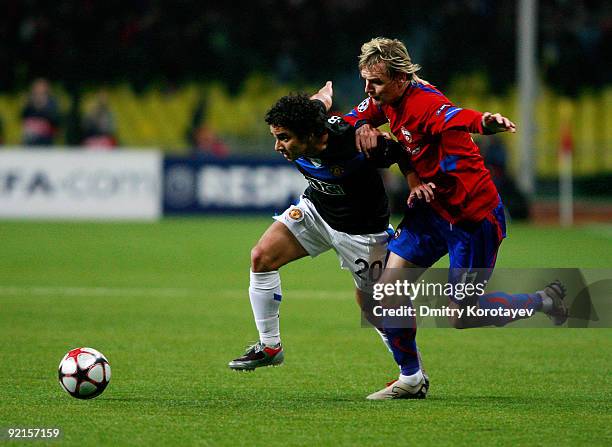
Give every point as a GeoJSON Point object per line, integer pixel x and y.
{"type": "Point", "coordinates": [345, 186]}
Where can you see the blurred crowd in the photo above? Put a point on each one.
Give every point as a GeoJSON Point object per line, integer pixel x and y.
{"type": "Point", "coordinates": [147, 41]}
{"type": "Point", "coordinates": [44, 123]}
{"type": "Point", "coordinates": [43, 120]}
{"type": "Point", "coordinates": [80, 45]}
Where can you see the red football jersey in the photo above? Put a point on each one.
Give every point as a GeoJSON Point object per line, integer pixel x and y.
{"type": "Point", "coordinates": [437, 135]}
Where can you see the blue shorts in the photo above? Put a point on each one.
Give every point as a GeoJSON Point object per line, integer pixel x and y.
{"type": "Point", "coordinates": [424, 236]}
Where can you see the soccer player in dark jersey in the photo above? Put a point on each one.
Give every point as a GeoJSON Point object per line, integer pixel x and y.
{"type": "Point", "coordinates": [344, 208]}
{"type": "Point", "coordinates": [466, 218]}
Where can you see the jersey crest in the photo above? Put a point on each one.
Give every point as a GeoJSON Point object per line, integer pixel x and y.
{"type": "Point", "coordinates": [336, 171]}
{"type": "Point", "coordinates": [407, 135]}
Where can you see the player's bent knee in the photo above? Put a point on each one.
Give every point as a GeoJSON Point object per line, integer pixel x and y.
{"type": "Point", "coordinates": [260, 261]}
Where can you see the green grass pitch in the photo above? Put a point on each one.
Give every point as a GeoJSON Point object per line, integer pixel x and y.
{"type": "Point", "coordinates": [167, 304]}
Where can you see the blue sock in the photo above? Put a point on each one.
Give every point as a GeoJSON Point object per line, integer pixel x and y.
{"type": "Point", "coordinates": [404, 348]}
{"type": "Point", "coordinates": [501, 300]}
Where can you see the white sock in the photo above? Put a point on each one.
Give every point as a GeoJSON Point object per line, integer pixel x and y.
{"type": "Point", "coordinates": [265, 294]}
{"type": "Point", "coordinates": [412, 380]}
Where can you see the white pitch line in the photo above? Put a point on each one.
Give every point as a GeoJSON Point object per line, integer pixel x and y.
{"type": "Point", "coordinates": [91, 291]}
{"type": "Point", "coordinates": [601, 230]}
{"type": "Point", "coordinates": [42, 291]}
{"type": "Point", "coordinates": [300, 293]}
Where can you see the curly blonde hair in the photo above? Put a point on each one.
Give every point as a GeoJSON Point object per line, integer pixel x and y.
{"type": "Point", "coordinates": [391, 52]}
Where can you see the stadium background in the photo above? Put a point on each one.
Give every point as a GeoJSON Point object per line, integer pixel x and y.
{"type": "Point", "coordinates": [158, 59]}
{"type": "Point", "coordinates": [165, 300]}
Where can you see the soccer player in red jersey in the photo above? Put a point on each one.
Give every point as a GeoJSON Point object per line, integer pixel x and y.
{"type": "Point", "coordinates": [466, 217]}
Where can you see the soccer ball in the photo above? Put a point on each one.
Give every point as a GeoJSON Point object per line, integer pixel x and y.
{"type": "Point", "coordinates": [84, 373]}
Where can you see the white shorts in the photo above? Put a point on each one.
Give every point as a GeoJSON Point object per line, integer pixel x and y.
{"type": "Point", "coordinates": [363, 254]}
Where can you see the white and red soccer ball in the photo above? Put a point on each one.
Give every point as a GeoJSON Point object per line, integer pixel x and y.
{"type": "Point", "coordinates": [84, 373]}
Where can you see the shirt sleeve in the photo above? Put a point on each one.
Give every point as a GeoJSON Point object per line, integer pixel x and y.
{"type": "Point", "coordinates": [438, 115]}
{"type": "Point", "coordinates": [320, 104]}
{"type": "Point", "coordinates": [389, 152]}
{"type": "Point", "coordinates": [366, 112]}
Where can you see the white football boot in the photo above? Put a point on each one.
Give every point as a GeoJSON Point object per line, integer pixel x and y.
{"type": "Point", "coordinates": [400, 390]}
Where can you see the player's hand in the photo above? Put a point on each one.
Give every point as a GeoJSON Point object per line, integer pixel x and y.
{"type": "Point", "coordinates": [422, 192]}
{"type": "Point", "coordinates": [325, 95]}
{"type": "Point", "coordinates": [366, 139]}
{"type": "Point", "coordinates": [495, 123]}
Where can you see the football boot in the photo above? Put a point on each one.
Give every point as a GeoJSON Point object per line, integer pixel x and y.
{"type": "Point", "coordinates": [399, 390]}
{"type": "Point", "coordinates": [258, 355]}
{"type": "Point", "coordinates": [556, 292]}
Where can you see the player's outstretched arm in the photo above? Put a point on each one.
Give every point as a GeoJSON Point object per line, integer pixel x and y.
{"type": "Point", "coordinates": [325, 95]}
{"type": "Point", "coordinates": [495, 122]}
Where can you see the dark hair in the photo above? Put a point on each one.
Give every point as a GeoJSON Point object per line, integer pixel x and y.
{"type": "Point", "coordinates": [299, 114]}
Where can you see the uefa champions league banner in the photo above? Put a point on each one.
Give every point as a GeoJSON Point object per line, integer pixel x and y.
{"type": "Point", "coordinates": [243, 185]}
{"type": "Point", "coordinates": [80, 184]}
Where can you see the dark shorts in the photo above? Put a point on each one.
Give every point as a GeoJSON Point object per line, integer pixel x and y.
{"type": "Point", "coordinates": [423, 237]}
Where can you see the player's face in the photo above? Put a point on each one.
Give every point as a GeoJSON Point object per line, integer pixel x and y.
{"type": "Point", "coordinates": [288, 144]}
{"type": "Point", "coordinates": [381, 87]}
